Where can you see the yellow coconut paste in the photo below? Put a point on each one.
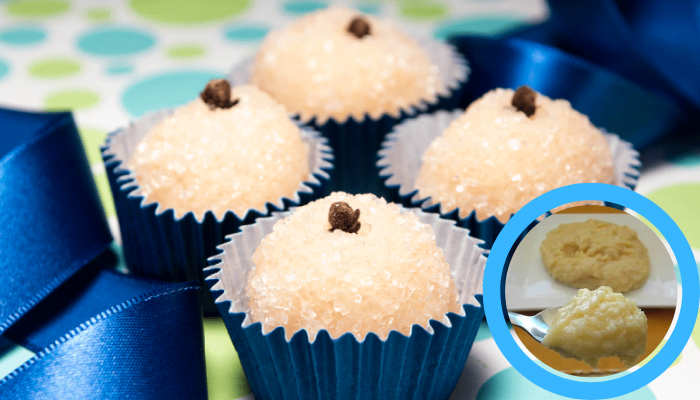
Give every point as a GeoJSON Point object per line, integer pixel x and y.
{"type": "Point", "coordinates": [598, 323]}
{"type": "Point", "coordinates": [596, 253]}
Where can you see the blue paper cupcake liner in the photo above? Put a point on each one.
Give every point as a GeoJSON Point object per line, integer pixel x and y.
{"type": "Point", "coordinates": [423, 365]}
{"type": "Point", "coordinates": [355, 142]}
{"type": "Point", "coordinates": [401, 158]}
{"type": "Point", "coordinates": [159, 244]}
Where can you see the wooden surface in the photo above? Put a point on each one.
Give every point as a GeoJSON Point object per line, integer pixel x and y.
{"type": "Point", "coordinates": [591, 210]}
{"type": "Point", "coordinates": [658, 319]}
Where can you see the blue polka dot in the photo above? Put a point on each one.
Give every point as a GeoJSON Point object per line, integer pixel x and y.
{"type": "Point", "coordinates": [115, 41]}
{"type": "Point", "coordinates": [118, 69]}
{"type": "Point", "coordinates": [4, 69]}
{"type": "Point", "coordinates": [22, 36]}
{"type": "Point", "coordinates": [483, 26]}
{"type": "Point", "coordinates": [509, 384]}
{"type": "Point", "coordinates": [246, 33]}
{"type": "Point", "coordinates": [688, 160]}
{"type": "Point", "coordinates": [302, 7]}
{"type": "Point", "coordinates": [166, 90]}
{"type": "Point", "coordinates": [483, 332]}
{"type": "Point", "coordinates": [368, 8]}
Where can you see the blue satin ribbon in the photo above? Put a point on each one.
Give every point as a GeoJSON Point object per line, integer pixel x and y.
{"type": "Point", "coordinates": [653, 43]}
{"type": "Point", "coordinates": [100, 334]}
{"type": "Point", "coordinates": [97, 333]}
{"type": "Point", "coordinates": [51, 220]}
{"type": "Point", "coordinates": [610, 101]}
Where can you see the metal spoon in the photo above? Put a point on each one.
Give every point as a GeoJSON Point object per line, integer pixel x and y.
{"type": "Point", "coordinates": [536, 326]}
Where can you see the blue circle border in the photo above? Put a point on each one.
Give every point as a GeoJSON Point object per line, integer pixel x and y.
{"type": "Point", "coordinates": [599, 389]}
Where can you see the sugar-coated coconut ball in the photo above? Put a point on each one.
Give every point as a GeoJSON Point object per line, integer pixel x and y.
{"type": "Point", "coordinates": [336, 63]}
{"type": "Point", "coordinates": [494, 158]}
{"type": "Point", "coordinates": [234, 156]}
{"type": "Point", "coordinates": [387, 276]}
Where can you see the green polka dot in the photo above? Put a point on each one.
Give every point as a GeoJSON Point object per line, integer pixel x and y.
{"type": "Point", "coordinates": [656, 351]}
{"type": "Point", "coordinates": [98, 14]}
{"type": "Point", "coordinates": [681, 203]}
{"type": "Point", "coordinates": [186, 51]}
{"type": "Point", "coordinates": [425, 10]}
{"type": "Point", "coordinates": [93, 139]}
{"type": "Point", "coordinates": [225, 376]}
{"type": "Point", "coordinates": [75, 99]}
{"type": "Point", "coordinates": [105, 192]}
{"type": "Point", "coordinates": [37, 8]}
{"type": "Point", "coordinates": [187, 12]}
{"type": "Point", "coordinates": [54, 68]}
{"type": "Point", "coordinates": [696, 332]}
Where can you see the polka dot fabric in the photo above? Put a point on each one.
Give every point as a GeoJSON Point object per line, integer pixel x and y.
{"type": "Point", "coordinates": [111, 62]}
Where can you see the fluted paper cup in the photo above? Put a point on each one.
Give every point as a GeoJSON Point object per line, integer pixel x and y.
{"type": "Point", "coordinates": [355, 142]}
{"type": "Point", "coordinates": [426, 364]}
{"type": "Point", "coordinates": [400, 160]}
{"type": "Point", "coordinates": [159, 244]}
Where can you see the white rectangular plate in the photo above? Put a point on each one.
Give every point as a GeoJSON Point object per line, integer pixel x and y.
{"type": "Point", "coordinates": [530, 287]}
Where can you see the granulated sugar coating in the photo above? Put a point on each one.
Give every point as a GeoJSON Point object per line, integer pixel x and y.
{"type": "Point", "coordinates": [236, 159]}
{"type": "Point", "coordinates": [494, 159]}
{"type": "Point", "coordinates": [317, 68]}
{"type": "Point", "coordinates": [388, 276]}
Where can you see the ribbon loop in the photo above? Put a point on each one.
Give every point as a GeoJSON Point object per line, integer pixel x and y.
{"type": "Point", "coordinates": [652, 43]}
{"type": "Point", "coordinates": [610, 101]}
{"type": "Point", "coordinates": [98, 334]}
{"type": "Point", "coordinates": [51, 218]}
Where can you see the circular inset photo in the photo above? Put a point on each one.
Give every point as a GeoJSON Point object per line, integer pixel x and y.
{"type": "Point", "coordinates": [591, 290]}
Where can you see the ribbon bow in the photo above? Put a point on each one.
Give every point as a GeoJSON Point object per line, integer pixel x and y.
{"type": "Point", "coordinates": [653, 43]}
{"type": "Point", "coordinates": [632, 66]}
{"type": "Point", "coordinates": [97, 333]}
